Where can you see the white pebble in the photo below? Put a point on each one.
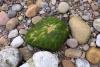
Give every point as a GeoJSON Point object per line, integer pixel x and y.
{"type": "Point", "coordinates": [63, 7]}
{"type": "Point", "coordinates": [10, 56]}
{"type": "Point", "coordinates": [13, 33]}
{"type": "Point", "coordinates": [45, 59]}
{"type": "Point", "coordinates": [96, 24]}
{"type": "Point", "coordinates": [16, 42]}
{"type": "Point", "coordinates": [25, 65]}
{"type": "Point", "coordinates": [82, 63]}
{"type": "Point", "coordinates": [98, 40]}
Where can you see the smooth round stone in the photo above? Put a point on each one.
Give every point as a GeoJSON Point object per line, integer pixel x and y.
{"type": "Point", "coordinates": [63, 7]}
{"type": "Point", "coordinates": [96, 24]}
{"type": "Point", "coordinates": [9, 56]}
{"type": "Point", "coordinates": [98, 40]}
{"type": "Point", "coordinates": [72, 43]}
{"type": "Point", "coordinates": [16, 7]}
{"type": "Point", "coordinates": [16, 42]}
{"type": "Point", "coordinates": [11, 24]}
{"type": "Point", "coordinates": [45, 59]}
{"type": "Point", "coordinates": [12, 13]}
{"type": "Point", "coordinates": [82, 63]}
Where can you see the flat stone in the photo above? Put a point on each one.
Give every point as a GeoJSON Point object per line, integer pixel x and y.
{"type": "Point", "coordinates": [73, 53]}
{"type": "Point", "coordinates": [67, 63]}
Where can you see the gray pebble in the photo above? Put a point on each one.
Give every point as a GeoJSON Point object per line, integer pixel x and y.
{"type": "Point", "coordinates": [16, 7]}
{"type": "Point", "coordinates": [12, 13]}
{"type": "Point", "coordinates": [72, 43]}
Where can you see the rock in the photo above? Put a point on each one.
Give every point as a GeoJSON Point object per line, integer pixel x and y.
{"type": "Point", "coordinates": [16, 7]}
{"type": "Point", "coordinates": [93, 55]}
{"type": "Point", "coordinates": [3, 64]}
{"type": "Point", "coordinates": [39, 3]}
{"type": "Point", "coordinates": [96, 24]}
{"type": "Point", "coordinates": [36, 19]}
{"type": "Point", "coordinates": [5, 7]}
{"type": "Point", "coordinates": [92, 44]}
{"type": "Point", "coordinates": [11, 24]}
{"type": "Point", "coordinates": [86, 17]}
{"type": "Point", "coordinates": [53, 2]}
{"type": "Point", "coordinates": [25, 53]}
{"type": "Point", "coordinates": [29, 63]}
{"type": "Point", "coordinates": [20, 18]}
{"type": "Point", "coordinates": [80, 30]}
{"type": "Point", "coordinates": [82, 63]}
{"type": "Point", "coordinates": [95, 5]}
{"type": "Point", "coordinates": [10, 56]}
{"type": "Point", "coordinates": [32, 10]}
{"type": "Point", "coordinates": [12, 13]}
{"type": "Point", "coordinates": [3, 41]}
{"type": "Point", "coordinates": [1, 2]}
{"type": "Point", "coordinates": [72, 43]}
{"type": "Point", "coordinates": [63, 7]}
{"type": "Point", "coordinates": [67, 63]}
{"type": "Point", "coordinates": [98, 40]}
{"type": "Point", "coordinates": [73, 53]}
{"type": "Point", "coordinates": [85, 47]}
{"type": "Point", "coordinates": [22, 31]}
{"type": "Point", "coordinates": [45, 59]}
{"type": "Point", "coordinates": [16, 42]}
{"type": "Point", "coordinates": [13, 33]}
{"type": "Point", "coordinates": [3, 18]}
{"type": "Point", "coordinates": [42, 59]}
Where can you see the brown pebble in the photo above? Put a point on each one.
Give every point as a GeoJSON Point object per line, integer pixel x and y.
{"type": "Point", "coordinates": [73, 53]}
{"type": "Point", "coordinates": [25, 53]}
{"type": "Point", "coordinates": [67, 63]}
{"type": "Point", "coordinates": [93, 55]}
{"type": "Point", "coordinates": [11, 24]}
{"type": "Point", "coordinates": [32, 10]}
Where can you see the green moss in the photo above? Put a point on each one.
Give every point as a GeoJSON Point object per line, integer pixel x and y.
{"type": "Point", "coordinates": [49, 33]}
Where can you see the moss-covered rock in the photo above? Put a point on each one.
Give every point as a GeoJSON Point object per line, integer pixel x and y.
{"type": "Point", "coordinates": [49, 33]}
